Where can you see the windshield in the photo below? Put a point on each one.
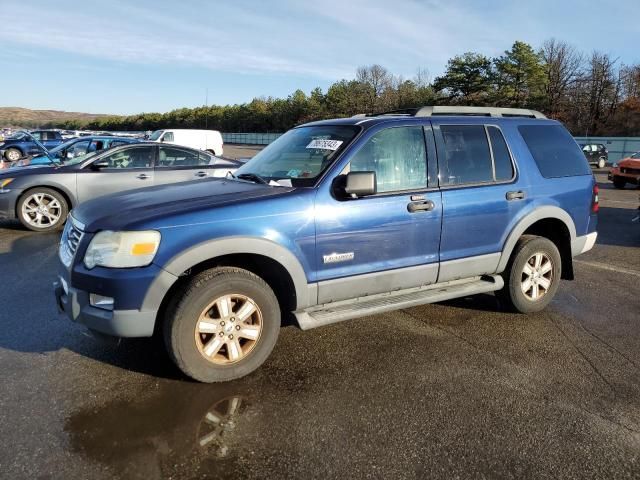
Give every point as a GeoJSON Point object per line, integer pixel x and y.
{"type": "Point", "coordinates": [301, 154]}
{"type": "Point", "coordinates": [63, 146]}
{"type": "Point", "coordinates": [156, 135]}
{"type": "Point", "coordinates": [635, 155]}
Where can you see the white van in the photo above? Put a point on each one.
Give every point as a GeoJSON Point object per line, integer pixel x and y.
{"type": "Point", "coordinates": [209, 140]}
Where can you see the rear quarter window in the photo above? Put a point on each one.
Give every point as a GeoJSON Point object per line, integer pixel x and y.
{"type": "Point", "coordinates": [554, 151]}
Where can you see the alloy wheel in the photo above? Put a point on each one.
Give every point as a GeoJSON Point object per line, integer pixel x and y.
{"type": "Point", "coordinates": [228, 329]}
{"type": "Point", "coordinates": [537, 276]}
{"type": "Point", "coordinates": [41, 210]}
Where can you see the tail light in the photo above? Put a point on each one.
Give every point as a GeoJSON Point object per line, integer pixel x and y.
{"type": "Point", "coordinates": [595, 201]}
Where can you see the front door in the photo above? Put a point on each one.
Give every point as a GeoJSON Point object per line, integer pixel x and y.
{"type": "Point", "coordinates": [385, 241]}
{"type": "Point", "coordinates": [128, 168]}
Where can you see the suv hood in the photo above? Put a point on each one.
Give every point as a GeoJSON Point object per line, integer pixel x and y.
{"type": "Point", "coordinates": [122, 210]}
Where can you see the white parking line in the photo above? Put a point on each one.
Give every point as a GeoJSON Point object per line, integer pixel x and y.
{"type": "Point", "coordinates": [604, 266]}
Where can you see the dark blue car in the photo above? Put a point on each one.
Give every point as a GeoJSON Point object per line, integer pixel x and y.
{"type": "Point", "coordinates": [23, 143]}
{"type": "Point", "coordinates": [334, 220]}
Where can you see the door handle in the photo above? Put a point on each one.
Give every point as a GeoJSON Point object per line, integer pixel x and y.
{"type": "Point", "coordinates": [425, 206]}
{"type": "Point", "coordinates": [200, 174]}
{"type": "Point", "coordinates": [519, 195]}
{"type": "Point", "coordinates": [142, 176]}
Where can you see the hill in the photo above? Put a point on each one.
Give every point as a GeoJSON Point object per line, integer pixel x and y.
{"type": "Point", "coordinates": [24, 117]}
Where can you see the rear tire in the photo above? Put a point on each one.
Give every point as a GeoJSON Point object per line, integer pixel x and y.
{"type": "Point", "coordinates": [532, 276]}
{"type": "Point", "coordinates": [619, 182]}
{"type": "Point", "coordinates": [223, 326]}
{"type": "Point", "coordinates": [602, 163]}
{"type": "Point", "coordinates": [42, 210]}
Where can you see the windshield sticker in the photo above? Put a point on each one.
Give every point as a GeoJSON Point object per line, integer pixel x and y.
{"type": "Point", "coordinates": [293, 173]}
{"type": "Point", "coordinates": [323, 144]}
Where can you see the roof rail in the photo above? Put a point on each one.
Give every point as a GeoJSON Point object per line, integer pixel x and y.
{"type": "Point", "coordinates": [477, 111]}
{"type": "Point", "coordinates": [432, 111]}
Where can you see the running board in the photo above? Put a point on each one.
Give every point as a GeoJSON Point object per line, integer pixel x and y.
{"type": "Point", "coordinates": [385, 302]}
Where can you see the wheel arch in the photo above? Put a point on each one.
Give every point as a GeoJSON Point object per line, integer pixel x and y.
{"type": "Point", "coordinates": [550, 222]}
{"type": "Point", "coordinates": [274, 263]}
{"type": "Point", "coordinates": [61, 190]}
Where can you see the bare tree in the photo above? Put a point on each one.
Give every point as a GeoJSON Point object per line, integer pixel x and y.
{"type": "Point", "coordinates": [563, 68]}
{"type": "Point", "coordinates": [377, 79]}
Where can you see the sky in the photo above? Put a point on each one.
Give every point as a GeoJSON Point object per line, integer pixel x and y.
{"type": "Point", "coordinates": [124, 57]}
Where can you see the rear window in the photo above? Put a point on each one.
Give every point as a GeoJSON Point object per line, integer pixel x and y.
{"type": "Point", "coordinates": [554, 150]}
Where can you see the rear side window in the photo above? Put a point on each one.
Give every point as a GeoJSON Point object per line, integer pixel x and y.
{"type": "Point", "coordinates": [554, 150]}
{"type": "Point", "coordinates": [467, 155]}
{"type": "Point", "coordinates": [501, 156]}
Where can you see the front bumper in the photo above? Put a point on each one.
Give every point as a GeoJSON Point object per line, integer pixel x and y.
{"type": "Point", "coordinates": [119, 322]}
{"type": "Point", "coordinates": [8, 201]}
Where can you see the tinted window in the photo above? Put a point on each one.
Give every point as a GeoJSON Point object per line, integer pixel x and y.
{"type": "Point", "coordinates": [554, 150]}
{"type": "Point", "coordinates": [467, 155]}
{"type": "Point", "coordinates": [501, 156]}
{"type": "Point", "coordinates": [135, 157]}
{"type": "Point", "coordinates": [398, 157]}
{"type": "Point", "coordinates": [170, 157]}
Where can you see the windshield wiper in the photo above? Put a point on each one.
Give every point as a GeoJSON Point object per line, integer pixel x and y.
{"type": "Point", "coordinates": [252, 177]}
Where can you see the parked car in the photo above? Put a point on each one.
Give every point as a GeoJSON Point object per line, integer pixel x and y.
{"type": "Point", "coordinates": [334, 220]}
{"type": "Point", "coordinates": [626, 171]}
{"type": "Point", "coordinates": [40, 196]}
{"type": "Point", "coordinates": [77, 147]}
{"type": "Point", "coordinates": [596, 153]}
{"type": "Point", "coordinates": [24, 143]}
{"type": "Point", "coordinates": [209, 140]}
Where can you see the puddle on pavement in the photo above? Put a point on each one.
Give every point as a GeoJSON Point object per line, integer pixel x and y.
{"type": "Point", "coordinates": [190, 429]}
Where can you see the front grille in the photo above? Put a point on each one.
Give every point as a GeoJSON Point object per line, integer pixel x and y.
{"type": "Point", "coordinates": [633, 171]}
{"type": "Point", "coordinates": [69, 242]}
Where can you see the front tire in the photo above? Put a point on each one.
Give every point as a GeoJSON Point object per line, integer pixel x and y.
{"type": "Point", "coordinates": [532, 276]}
{"type": "Point", "coordinates": [42, 210]}
{"type": "Point", "coordinates": [12, 154]}
{"type": "Point", "coordinates": [224, 325]}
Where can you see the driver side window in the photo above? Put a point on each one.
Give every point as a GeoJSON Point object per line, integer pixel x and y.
{"type": "Point", "coordinates": [398, 156]}
{"type": "Point", "coordinates": [128, 158]}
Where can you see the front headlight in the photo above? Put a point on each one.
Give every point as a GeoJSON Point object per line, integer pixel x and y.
{"type": "Point", "coordinates": [4, 182]}
{"type": "Point", "coordinates": [122, 249]}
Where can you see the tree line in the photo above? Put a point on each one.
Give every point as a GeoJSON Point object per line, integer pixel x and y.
{"type": "Point", "coordinates": [593, 94]}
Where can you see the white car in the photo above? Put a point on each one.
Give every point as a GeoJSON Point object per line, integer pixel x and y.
{"type": "Point", "coordinates": [209, 140]}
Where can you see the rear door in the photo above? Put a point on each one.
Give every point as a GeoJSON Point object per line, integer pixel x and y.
{"type": "Point", "coordinates": [481, 194]}
{"type": "Point", "coordinates": [179, 164]}
{"type": "Point", "coordinates": [128, 168]}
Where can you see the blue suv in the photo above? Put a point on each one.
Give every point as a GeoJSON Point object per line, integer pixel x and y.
{"type": "Point", "coordinates": [334, 220]}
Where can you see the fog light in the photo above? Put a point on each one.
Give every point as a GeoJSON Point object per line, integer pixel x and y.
{"type": "Point", "coordinates": [100, 301]}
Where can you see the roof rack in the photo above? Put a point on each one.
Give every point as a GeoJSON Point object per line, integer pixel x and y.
{"type": "Point", "coordinates": [432, 111]}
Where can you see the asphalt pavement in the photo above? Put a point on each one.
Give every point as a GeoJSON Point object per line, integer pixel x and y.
{"type": "Point", "coordinates": [452, 390]}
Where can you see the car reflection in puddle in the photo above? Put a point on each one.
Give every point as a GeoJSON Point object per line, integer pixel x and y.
{"type": "Point", "coordinates": [188, 432]}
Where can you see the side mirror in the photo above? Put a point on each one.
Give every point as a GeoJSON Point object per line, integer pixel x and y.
{"type": "Point", "coordinates": [360, 184]}
{"type": "Point", "coordinates": [99, 164]}
{"type": "Point", "coordinates": [162, 139]}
